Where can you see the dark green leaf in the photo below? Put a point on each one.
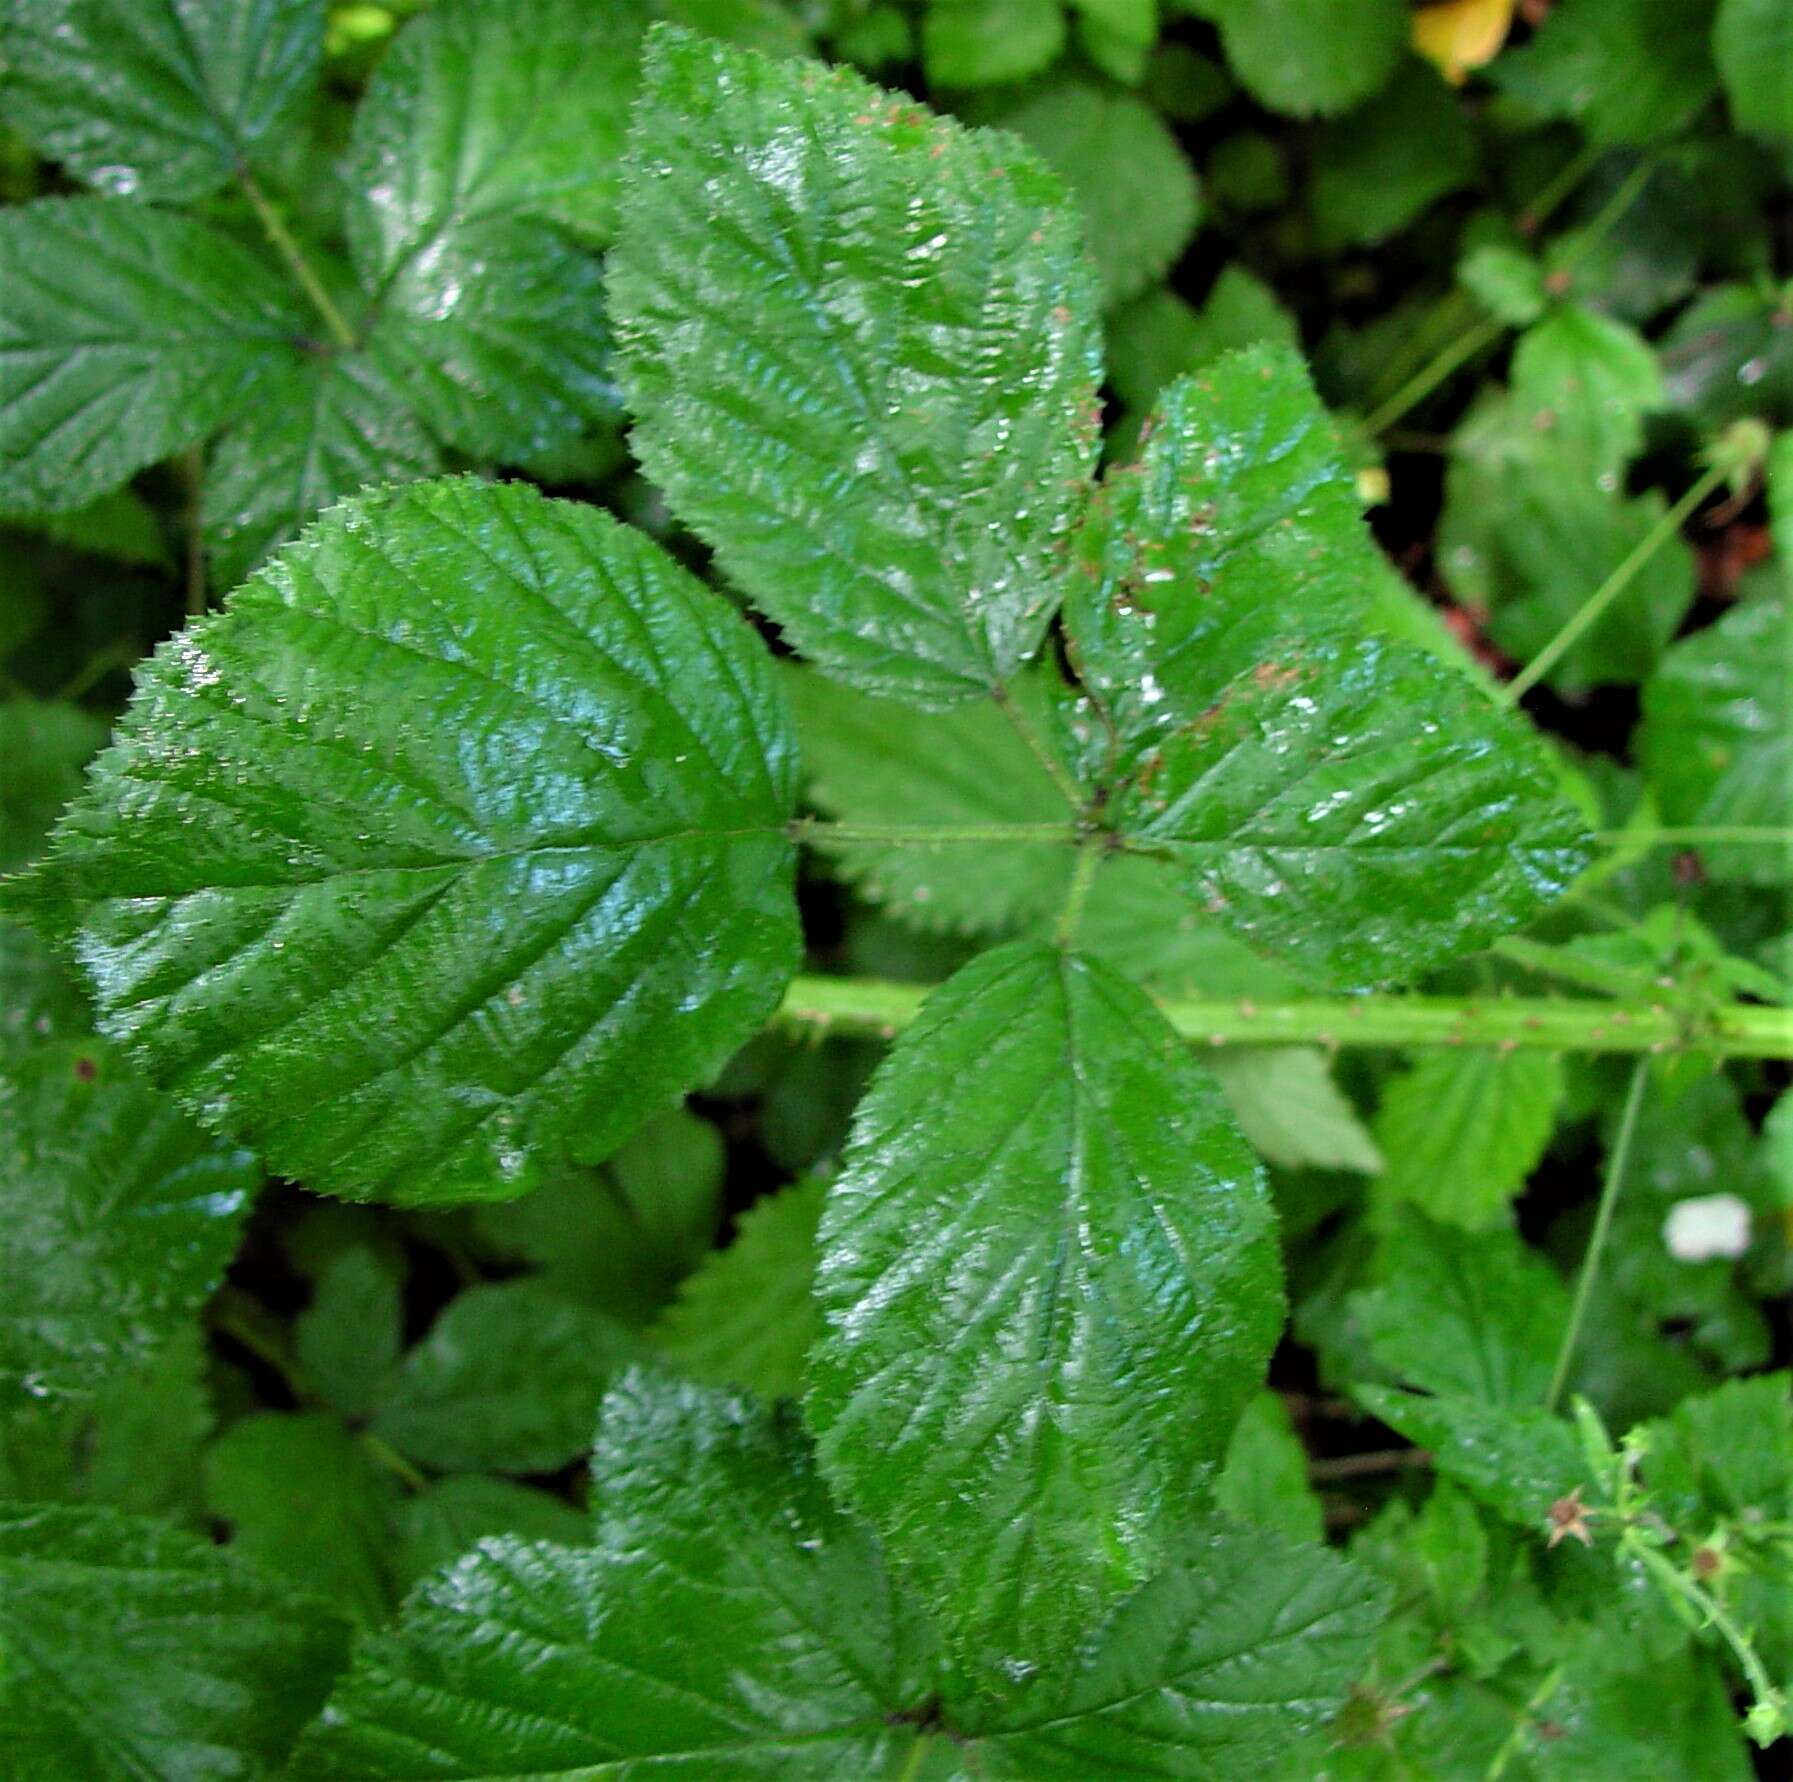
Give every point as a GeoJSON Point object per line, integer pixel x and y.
{"type": "Point", "coordinates": [302, 1498]}
{"type": "Point", "coordinates": [125, 334]}
{"type": "Point", "coordinates": [1307, 56]}
{"type": "Point", "coordinates": [1160, 336]}
{"type": "Point", "coordinates": [120, 1216]}
{"type": "Point", "coordinates": [45, 745]}
{"type": "Point", "coordinates": [1049, 1286]}
{"type": "Point", "coordinates": [985, 43]}
{"type": "Point", "coordinates": [348, 1338]}
{"type": "Point", "coordinates": [747, 1317]}
{"type": "Point", "coordinates": [458, 836]}
{"type": "Point", "coordinates": [162, 101]}
{"type": "Point", "coordinates": [888, 461]}
{"type": "Point", "coordinates": [129, 1649]}
{"type": "Point", "coordinates": [1753, 41]}
{"type": "Point", "coordinates": [39, 999]}
{"type": "Point", "coordinates": [446, 1519]}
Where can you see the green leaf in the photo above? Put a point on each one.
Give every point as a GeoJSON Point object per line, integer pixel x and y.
{"type": "Point", "coordinates": [1717, 736]}
{"type": "Point", "coordinates": [122, 526]}
{"type": "Point", "coordinates": [1140, 200]}
{"type": "Point", "coordinates": [303, 1499]}
{"type": "Point", "coordinates": [1462, 1130]}
{"type": "Point", "coordinates": [1287, 1104]}
{"type": "Point", "coordinates": [1306, 56]}
{"type": "Point", "coordinates": [1753, 41]}
{"type": "Point", "coordinates": [125, 334]}
{"type": "Point", "coordinates": [873, 761]}
{"type": "Point", "coordinates": [120, 1217]}
{"type": "Point", "coordinates": [1379, 169]}
{"type": "Point", "coordinates": [1160, 336]}
{"type": "Point", "coordinates": [1264, 1480]}
{"type": "Point", "coordinates": [444, 1520]}
{"type": "Point", "coordinates": [730, 1621]}
{"type": "Point", "coordinates": [888, 463]}
{"type": "Point", "coordinates": [327, 427]}
{"type": "Point", "coordinates": [411, 889]}
{"type": "Point", "coordinates": [746, 1317]}
{"type": "Point", "coordinates": [348, 1339]}
{"type": "Point", "coordinates": [1588, 381]}
{"type": "Point", "coordinates": [1474, 1317]}
{"type": "Point", "coordinates": [1506, 281]}
{"type": "Point", "coordinates": [1627, 71]}
{"type": "Point", "coordinates": [508, 1380]}
{"type": "Point", "coordinates": [729, 1616]}
{"type": "Point", "coordinates": [130, 1649]}
{"type": "Point", "coordinates": [163, 101]}
{"type": "Point", "coordinates": [1043, 1203]}
{"type": "Point", "coordinates": [39, 1000]}
{"type": "Point", "coordinates": [987, 43]}
{"type": "Point", "coordinates": [620, 1237]}
{"type": "Point", "coordinates": [45, 745]}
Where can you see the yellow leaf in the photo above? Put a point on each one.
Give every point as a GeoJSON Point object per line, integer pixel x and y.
{"type": "Point", "coordinates": [1458, 35]}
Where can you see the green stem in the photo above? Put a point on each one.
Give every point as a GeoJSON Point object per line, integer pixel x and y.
{"type": "Point", "coordinates": [925, 835]}
{"type": "Point", "coordinates": [296, 263]}
{"type": "Point", "coordinates": [1089, 857]}
{"type": "Point", "coordinates": [192, 463]}
{"type": "Point", "coordinates": [1614, 585]}
{"type": "Point", "coordinates": [386, 1455]}
{"type": "Point", "coordinates": [1704, 836]}
{"type": "Point", "coordinates": [1610, 212]}
{"type": "Point", "coordinates": [1556, 193]}
{"type": "Point", "coordinates": [1590, 1263]}
{"type": "Point", "coordinates": [1433, 373]}
{"type": "Point", "coordinates": [1053, 767]}
{"type": "Point", "coordinates": [874, 1008]}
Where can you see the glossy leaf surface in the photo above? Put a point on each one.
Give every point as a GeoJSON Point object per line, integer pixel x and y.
{"type": "Point", "coordinates": [461, 832]}
{"type": "Point", "coordinates": [1049, 1285]}
{"type": "Point", "coordinates": [132, 1649]}
{"type": "Point", "coordinates": [125, 334]}
{"type": "Point", "coordinates": [887, 462]}
{"type": "Point", "coordinates": [120, 1217]}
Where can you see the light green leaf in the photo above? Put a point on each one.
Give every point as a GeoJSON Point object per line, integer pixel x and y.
{"type": "Point", "coordinates": [987, 43]}
{"type": "Point", "coordinates": [45, 745]}
{"type": "Point", "coordinates": [1287, 1104]}
{"type": "Point", "coordinates": [1290, 777]}
{"type": "Point", "coordinates": [120, 1217]}
{"type": "Point", "coordinates": [162, 101]}
{"type": "Point", "coordinates": [1306, 56]}
{"type": "Point", "coordinates": [445, 1520]}
{"type": "Point", "coordinates": [730, 1621]}
{"type": "Point", "coordinates": [130, 1649]}
{"type": "Point", "coordinates": [348, 1339]}
{"type": "Point", "coordinates": [620, 1237]}
{"type": "Point", "coordinates": [457, 837]}
{"type": "Point", "coordinates": [1141, 203]}
{"type": "Point", "coordinates": [1462, 1130]}
{"type": "Point", "coordinates": [125, 334]}
{"type": "Point", "coordinates": [1478, 1316]}
{"type": "Point", "coordinates": [327, 427]}
{"type": "Point", "coordinates": [746, 1317]}
{"type": "Point", "coordinates": [888, 463]}
{"type": "Point", "coordinates": [1377, 170]}
{"type": "Point", "coordinates": [1717, 735]}
{"type": "Point", "coordinates": [1587, 382]}
{"type": "Point", "coordinates": [1627, 71]}
{"type": "Point", "coordinates": [873, 761]}
{"type": "Point", "coordinates": [1160, 336]}
{"type": "Point", "coordinates": [303, 1499]}
{"type": "Point", "coordinates": [1043, 1203]}
{"type": "Point", "coordinates": [508, 1380]}
{"type": "Point", "coordinates": [1506, 281]}
{"type": "Point", "coordinates": [1264, 1480]}
{"type": "Point", "coordinates": [1753, 41]}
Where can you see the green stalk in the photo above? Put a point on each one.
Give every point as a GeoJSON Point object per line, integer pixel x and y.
{"type": "Point", "coordinates": [296, 263]}
{"type": "Point", "coordinates": [873, 1008]}
{"type": "Point", "coordinates": [1089, 857]}
{"type": "Point", "coordinates": [1614, 585]}
{"type": "Point", "coordinates": [1590, 1263]}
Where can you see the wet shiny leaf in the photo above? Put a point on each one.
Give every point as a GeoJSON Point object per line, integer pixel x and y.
{"type": "Point", "coordinates": [120, 1217]}
{"type": "Point", "coordinates": [125, 334]}
{"type": "Point", "coordinates": [887, 461]}
{"type": "Point", "coordinates": [459, 834]}
{"type": "Point", "coordinates": [134, 1649]}
{"type": "Point", "coordinates": [160, 101]}
{"type": "Point", "coordinates": [1049, 1285]}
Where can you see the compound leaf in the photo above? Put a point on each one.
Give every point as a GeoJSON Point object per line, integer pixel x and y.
{"type": "Point", "coordinates": [161, 101]}
{"type": "Point", "coordinates": [120, 1216]}
{"type": "Point", "coordinates": [125, 334]}
{"type": "Point", "coordinates": [888, 461]}
{"type": "Point", "coordinates": [129, 1649]}
{"type": "Point", "coordinates": [1049, 1285]}
{"type": "Point", "coordinates": [460, 833]}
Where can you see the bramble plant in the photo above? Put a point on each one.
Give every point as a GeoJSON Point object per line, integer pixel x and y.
{"type": "Point", "coordinates": [1025, 848]}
